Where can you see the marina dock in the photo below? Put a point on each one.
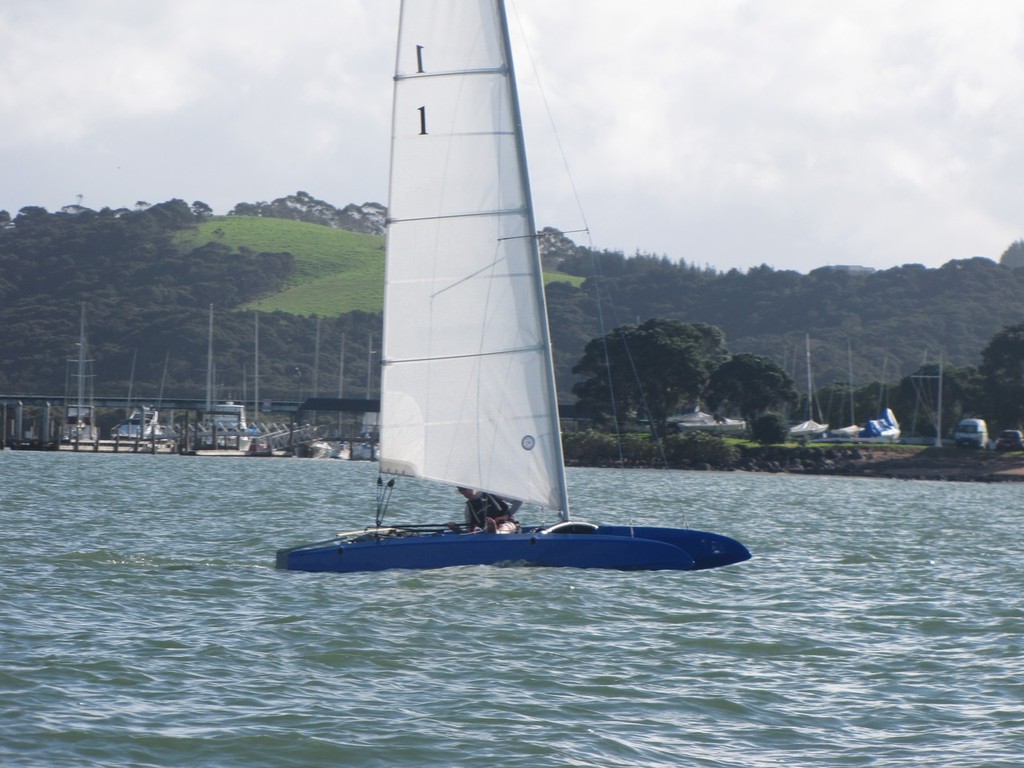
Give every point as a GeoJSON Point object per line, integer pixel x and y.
{"type": "Point", "coordinates": [49, 423]}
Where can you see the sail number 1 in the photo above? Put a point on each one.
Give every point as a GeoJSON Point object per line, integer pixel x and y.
{"type": "Point", "coordinates": [420, 71]}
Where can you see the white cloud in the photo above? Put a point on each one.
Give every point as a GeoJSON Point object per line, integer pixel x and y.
{"type": "Point", "coordinates": [725, 132]}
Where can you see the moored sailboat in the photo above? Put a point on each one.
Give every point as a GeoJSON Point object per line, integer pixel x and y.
{"type": "Point", "coordinates": [80, 417]}
{"type": "Point", "coordinates": [808, 429]}
{"type": "Point", "coordinates": [142, 424]}
{"type": "Point", "coordinates": [467, 390]}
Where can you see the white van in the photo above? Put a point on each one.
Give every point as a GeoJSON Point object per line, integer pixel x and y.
{"type": "Point", "coordinates": [971, 433]}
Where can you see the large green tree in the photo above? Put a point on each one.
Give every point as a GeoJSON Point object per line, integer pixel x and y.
{"type": "Point", "coordinates": [648, 370]}
{"type": "Point", "coordinates": [751, 385]}
{"type": "Point", "coordinates": [1002, 365]}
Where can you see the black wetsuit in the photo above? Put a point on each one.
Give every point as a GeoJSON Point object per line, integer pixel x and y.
{"type": "Point", "coordinates": [479, 508]}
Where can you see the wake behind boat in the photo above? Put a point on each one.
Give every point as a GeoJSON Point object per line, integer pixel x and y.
{"type": "Point", "coordinates": [468, 393]}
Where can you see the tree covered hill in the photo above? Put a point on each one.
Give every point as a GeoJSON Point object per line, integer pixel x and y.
{"type": "Point", "coordinates": [148, 276]}
{"type": "Point", "coordinates": [888, 322]}
{"type": "Point", "coordinates": [862, 324]}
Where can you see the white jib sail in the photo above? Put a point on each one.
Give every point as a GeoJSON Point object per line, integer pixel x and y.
{"type": "Point", "coordinates": [467, 389]}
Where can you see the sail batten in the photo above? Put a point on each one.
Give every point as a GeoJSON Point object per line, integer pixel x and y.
{"type": "Point", "coordinates": [467, 389]}
{"type": "Point", "coordinates": [463, 215]}
{"type": "Point", "coordinates": [526, 350]}
{"type": "Point", "coordinates": [453, 73]}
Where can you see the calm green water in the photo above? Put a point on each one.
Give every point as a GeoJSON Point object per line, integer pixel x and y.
{"type": "Point", "coordinates": [143, 624]}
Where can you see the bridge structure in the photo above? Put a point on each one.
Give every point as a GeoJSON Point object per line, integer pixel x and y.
{"type": "Point", "coordinates": [309, 405]}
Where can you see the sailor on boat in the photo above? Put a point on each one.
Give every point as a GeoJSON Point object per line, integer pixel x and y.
{"type": "Point", "coordinates": [485, 511]}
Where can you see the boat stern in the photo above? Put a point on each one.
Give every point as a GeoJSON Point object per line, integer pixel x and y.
{"type": "Point", "coordinates": [321, 556]}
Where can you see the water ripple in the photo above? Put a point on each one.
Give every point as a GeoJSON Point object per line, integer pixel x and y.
{"type": "Point", "coordinates": [878, 625]}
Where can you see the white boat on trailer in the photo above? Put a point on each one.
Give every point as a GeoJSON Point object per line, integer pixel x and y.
{"type": "Point", "coordinates": [699, 421]}
{"type": "Point", "coordinates": [808, 430]}
{"type": "Point", "coordinates": [468, 390]}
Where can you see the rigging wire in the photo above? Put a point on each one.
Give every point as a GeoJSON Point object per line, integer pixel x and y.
{"type": "Point", "coordinates": [384, 492]}
{"type": "Point", "coordinates": [596, 271]}
{"type": "Point", "coordinates": [607, 357]}
{"type": "Point", "coordinates": [553, 126]}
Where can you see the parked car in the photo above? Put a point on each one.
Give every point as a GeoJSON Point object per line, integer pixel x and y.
{"type": "Point", "coordinates": [971, 433]}
{"type": "Point", "coordinates": [1010, 440]}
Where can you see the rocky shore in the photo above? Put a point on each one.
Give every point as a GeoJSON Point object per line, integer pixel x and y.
{"type": "Point", "coordinates": [900, 462]}
{"type": "Point", "coordinates": [699, 451]}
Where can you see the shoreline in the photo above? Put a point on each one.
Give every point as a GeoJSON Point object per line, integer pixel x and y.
{"type": "Point", "coordinates": [950, 464]}
{"type": "Point", "coordinates": [898, 462]}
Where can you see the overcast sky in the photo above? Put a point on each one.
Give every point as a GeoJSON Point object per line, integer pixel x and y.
{"type": "Point", "coordinates": [795, 133]}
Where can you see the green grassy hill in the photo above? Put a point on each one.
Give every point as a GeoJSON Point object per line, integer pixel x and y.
{"type": "Point", "coordinates": [336, 271]}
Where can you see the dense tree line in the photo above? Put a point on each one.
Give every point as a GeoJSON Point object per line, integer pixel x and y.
{"type": "Point", "coordinates": [147, 299]}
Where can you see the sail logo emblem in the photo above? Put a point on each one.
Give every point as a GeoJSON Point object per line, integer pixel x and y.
{"type": "Point", "coordinates": [528, 442]}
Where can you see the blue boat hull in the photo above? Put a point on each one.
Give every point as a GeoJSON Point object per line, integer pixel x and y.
{"type": "Point", "coordinates": [613, 547]}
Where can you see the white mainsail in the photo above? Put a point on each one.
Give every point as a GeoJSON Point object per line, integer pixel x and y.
{"type": "Point", "coordinates": [467, 389]}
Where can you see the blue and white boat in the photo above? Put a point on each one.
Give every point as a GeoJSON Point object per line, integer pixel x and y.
{"type": "Point", "coordinates": [467, 388]}
{"type": "Point", "coordinates": [884, 429]}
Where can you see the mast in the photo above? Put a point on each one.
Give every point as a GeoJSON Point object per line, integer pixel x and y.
{"type": "Point", "coordinates": [256, 371]}
{"type": "Point", "coordinates": [81, 366]}
{"type": "Point", "coordinates": [131, 379]}
{"type": "Point", "coordinates": [849, 365]}
{"type": "Point", "coordinates": [341, 377]}
{"type": "Point", "coordinates": [209, 364]}
{"type": "Point", "coordinates": [163, 381]}
{"type": "Point", "coordinates": [369, 366]}
{"type": "Point", "coordinates": [538, 282]}
{"type": "Point", "coordinates": [341, 367]}
{"type": "Point", "coordinates": [807, 339]}
{"type": "Point", "coordinates": [316, 360]}
{"type": "Point", "coordinates": [79, 418]}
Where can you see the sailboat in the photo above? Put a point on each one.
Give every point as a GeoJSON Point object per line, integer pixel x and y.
{"type": "Point", "coordinates": [142, 424]}
{"type": "Point", "coordinates": [467, 385]}
{"type": "Point", "coordinates": [808, 429]}
{"type": "Point", "coordinates": [224, 429]}
{"type": "Point", "coordinates": [80, 419]}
